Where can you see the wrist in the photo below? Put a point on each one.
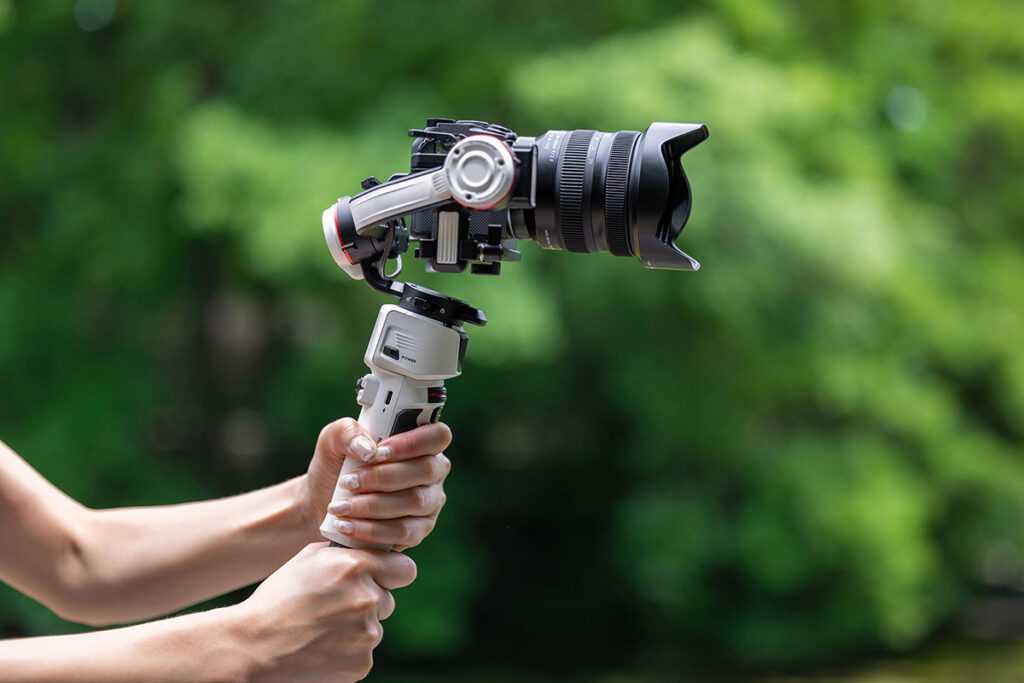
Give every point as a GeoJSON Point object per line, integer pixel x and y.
{"type": "Point", "coordinates": [230, 645]}
{"type": "Point", "coordinates": [307, 510]}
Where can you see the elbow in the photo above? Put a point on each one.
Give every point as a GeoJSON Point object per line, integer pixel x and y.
{"type": "Point", "coordinates": [78, 594]}
{"type": "Point", "coordinates": [71, 610]}
{"type": "Point", "coordinates": [85, 599]}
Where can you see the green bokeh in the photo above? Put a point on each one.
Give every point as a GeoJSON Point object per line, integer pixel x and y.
{"type": "Point", "coordinates": [809, 450]}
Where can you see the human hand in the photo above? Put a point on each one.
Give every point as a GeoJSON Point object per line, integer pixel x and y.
{"type": "Point", "coordinates": [396, 497]}
{"type": "Point", "coordinates": [318, 616]}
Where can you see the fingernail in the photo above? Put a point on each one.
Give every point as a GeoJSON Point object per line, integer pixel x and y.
{"type": "Point", "coordinates": [350, 481]}
{"type": "Point", "coordinates": [343, 525]}
{"type": "Point", "coordinates": [383, 453]}
{"type": "Point", "coordinates": [362, 448]}
{"type": "Point", "coordinates": [341, 508]}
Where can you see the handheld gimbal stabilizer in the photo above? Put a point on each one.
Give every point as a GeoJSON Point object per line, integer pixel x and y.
{"type": "Point", "coordinates": [473, 190]}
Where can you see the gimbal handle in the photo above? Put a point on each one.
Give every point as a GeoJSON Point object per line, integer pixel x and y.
{"type": "Point", "coordinates": [414, 347]}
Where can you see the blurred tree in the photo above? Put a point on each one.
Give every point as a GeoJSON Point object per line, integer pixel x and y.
{"type": "Point", "coordinates": [811, 448]}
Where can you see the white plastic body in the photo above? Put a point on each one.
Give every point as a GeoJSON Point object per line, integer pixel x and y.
{"type": "Point", "coordinates": [399, 198]}
{"type": "Point", "coordinates": [353, 270]}
{"type": "Point", "coordinates": [428, 354]}
{"type": "Point", "coordinates": [480, 170]}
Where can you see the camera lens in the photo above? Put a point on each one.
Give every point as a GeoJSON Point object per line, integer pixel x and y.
{"type": "Point", "coordinates": [623, 193]}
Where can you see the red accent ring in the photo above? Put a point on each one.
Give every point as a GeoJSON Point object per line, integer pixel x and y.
{"type": "Point", "coordinates": [337, 230]}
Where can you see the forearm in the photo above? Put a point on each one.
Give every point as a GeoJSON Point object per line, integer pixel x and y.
{"type": "Point", "coordinates": [136, 563]}
{"type": "Point", "coordinates": [207, 646]}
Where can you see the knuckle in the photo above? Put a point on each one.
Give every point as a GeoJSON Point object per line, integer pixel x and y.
{"type": "Point", "coordinates": [420, 498]}
{"type": "Point", "coordinates": [406, 567]}
{"type": "Point", "coordinates": [332, 436]}
{"type": "Point", "coordinates": [362, 666]}
{"type": "Point", "coordinates": [356, 564]}
{"type": "Point", "coordinates": [404, 533]}
{"type": "Point", "coordinates": [387, 605]}
{"type": "Point", "coordinates": [365, 602]}
{"type": "Point", "coordinates": [444, 499]}
{"type": "Point", "coordinates": [373, 633]}
{"type": "Point", "coordinates": [344, 568]}
{"type": "Point", "coordinates": [434, 468]}
{"type": "Point", "coordinates": [426, 526]}
{"type": "Point", "coordinates": [370, 478]}
{"type": "Point", "coordinates": [444, 465]}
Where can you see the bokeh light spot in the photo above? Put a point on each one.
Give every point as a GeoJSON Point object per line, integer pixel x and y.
{"type": "Point", "coordinates": [906, 108]}
{"type": "Point", "coordinates": [92, 15]}
{"type": "Point", "coordinates": [6, 14]}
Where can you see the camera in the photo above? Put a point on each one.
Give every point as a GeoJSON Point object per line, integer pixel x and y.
{"type": "Point", "coordinates": [475, 188]}
{"type": "Point", "coordinates": [472, 191]}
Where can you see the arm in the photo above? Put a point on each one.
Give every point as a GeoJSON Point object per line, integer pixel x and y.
{"type": "Point", "coordinates": [111, 566]}
{"type": "Point", "coordinates": [197, 647]}
{"type": "Point", "coordinates": [316, 618]}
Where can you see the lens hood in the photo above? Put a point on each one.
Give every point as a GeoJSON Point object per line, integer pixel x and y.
{"type": "Point", "coordinates": [659, 197]}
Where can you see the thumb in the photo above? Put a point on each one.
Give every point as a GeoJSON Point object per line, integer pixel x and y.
{"type": "Point", "coordinates": [346, 437]}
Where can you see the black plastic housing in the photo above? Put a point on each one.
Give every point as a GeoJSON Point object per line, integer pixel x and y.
{"type": "Point", "coordinates": [623, 193]}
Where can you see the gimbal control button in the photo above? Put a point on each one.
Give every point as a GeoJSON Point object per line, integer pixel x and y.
{"type": "Point", "coordinates": [405, 421]}
{"type": "Point", "coordinates": [366, 390]}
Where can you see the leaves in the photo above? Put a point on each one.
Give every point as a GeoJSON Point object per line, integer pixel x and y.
{"type": "Point", "coordinates": [808, 449]}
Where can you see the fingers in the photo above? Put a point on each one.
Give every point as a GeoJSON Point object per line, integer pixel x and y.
{"type": "Point", "coordinates": [346, 437]}
{"type": "Point", "coordinates": [388, 477]}
{"type": "Point", "coordinates": [418, 501]}
{"type": "Point", "coordinates": [386, 607]}
{"type": "Point", "coordinates": [389, 570]}
{"type": "Point", "coordinates": [401, 533]}
{"type": "Point", "coordinates": [425, 440]}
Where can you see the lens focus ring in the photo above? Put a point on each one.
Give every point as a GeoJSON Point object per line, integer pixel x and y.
{"type": "Point", "coordinates": [570, 190]}
{"type": "Point", "coordinates": [616, 191]}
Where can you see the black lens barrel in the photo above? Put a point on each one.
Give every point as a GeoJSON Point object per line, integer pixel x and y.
{"type": "Point", "coordinates": [622, 193]}
{"type": "Point", "coordinates": [583, 191]}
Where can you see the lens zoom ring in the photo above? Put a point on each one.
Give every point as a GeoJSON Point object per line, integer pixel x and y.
{"type": "Point", "coordinates": [570, 190]}
{"type": "Point", "coordinates": [617, 187]}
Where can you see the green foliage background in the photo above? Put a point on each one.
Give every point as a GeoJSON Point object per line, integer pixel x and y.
{"type": "Point", "coordinates": [809, 450]}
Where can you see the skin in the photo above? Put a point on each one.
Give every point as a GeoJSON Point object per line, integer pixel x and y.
{"type": "Point", "coordinates": [317, 616]}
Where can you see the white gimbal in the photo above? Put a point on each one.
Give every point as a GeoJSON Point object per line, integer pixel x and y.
{"type": "Point", "coordinates": [418, 343]}
{"type": "Point", "coordinates": [473, 189]}
{"type": "Point", "coordinates": [414, 347]}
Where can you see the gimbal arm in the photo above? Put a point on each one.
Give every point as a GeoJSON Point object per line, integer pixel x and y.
{"type": "Point", "coordinates": [478, 173]}
{"type": "Point", "coordinates": [398, 198]}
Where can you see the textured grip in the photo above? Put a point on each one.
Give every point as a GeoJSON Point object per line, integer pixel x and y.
{"type": "Point", "coordinates": [617, 193]}
{"type": "Point", "coordinates": [570, 190]}
{"type": "Point", "coordinates": [398, 198]}
{"type": "Point", "coordinates": [409, 355]}
{"type": "Point", "coordinates": [398, 404]}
